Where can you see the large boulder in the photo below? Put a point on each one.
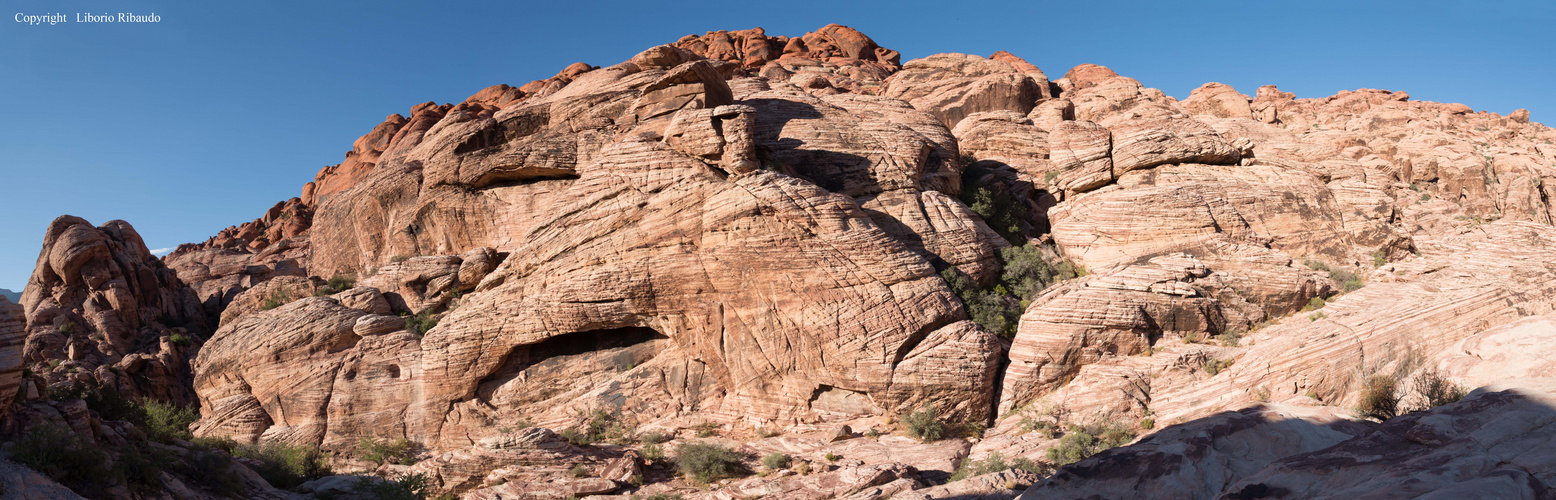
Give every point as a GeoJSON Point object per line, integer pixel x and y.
{"type": "Point", "coordinates": [1200, 458]}
{"type": "Point", "coordinates": [98, 298]}
{"type": "Point", "coordinates": [953, 86]}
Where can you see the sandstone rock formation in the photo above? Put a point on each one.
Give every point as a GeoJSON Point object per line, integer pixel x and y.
{"type": "Point", "coordinates": [98, 300]}
{"type": "Point", "coordinates": [13, 334]}
{"type": "Point", "coordinates": [953, 86]}
{"type": "Point", "coordinates": [654, 167]}
{"type": "Point", "coordinates": [746, 232]}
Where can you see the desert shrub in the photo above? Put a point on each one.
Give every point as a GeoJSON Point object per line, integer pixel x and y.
{"type": "Point", "coordinates": [141, 465]}
{"type": "Point", "coordinates": [997, 313]}
{"type": "Point", "coordinates": [833, 457]}
{"type": "Point", "coordinates": [1230, 338]}
{"type": "Point", "coordinates": [924, 424]}
{"type": "Point", "coordinates": [1147, 423]}
{"type": "Point", "coordinates": [64, 457]}
{"type": "Point", "coordinates": [399, 258]}
{"type": "Point", "coordinates": [421, 322]}
{"type": "Point", "coordinates": [575, 437]}
{"type": "Point", "coordinates": [103, 399]}
{"type": "Point", "coordinates": [1378, 259]}
{"type": "Point", "coordinates": [706, 429]}
{"type": "Point", "coordinates": [578, 471]}
{"type": "Point", "coordinates": [277, 298]}
{"type": "Point", "coordinates": [213, 472]}
{"type": "Point", "coordinates": [336, 284]}
{"type": "Point", "coordinates": [165, 422]}
{"type": "Point", "coordinates": [659, 496]}
{"type": "Point", "coordinates": [1215, 366]}
{"type": "Point", "coordinates": [995, 462]}
{"type": "Point", "coordinates": [1379, 398]}
{"type": "Point", "coordinates": [398, 451]}
{"type": "Point", "coordinates": [408, 487]}
{"type": "Point", "coordinates": [654, 453]}
{"type": "Point", "coordinates": [608, 427]}
{"type": "Point", "coordinates": [764, 432]}
{"type": "Point", "coordinates": [1026, 273]}
{"type": "Point", "coordinates": [707, 462]}
{"type": "Point", "coordinates": [1314, 303]}
{"type": "Point", "coordinates": [1082, 442]}
{"type": "Point", "coordinates": [775, 461]}
{"type": "Point", "coordinates": [1434, 390]}
{"type": "Point", "coordinates": [994, 204]}
{"type": "Point", "coordinates": [285, 465]}
{"type": "Point", "coordinates": [654, 437]}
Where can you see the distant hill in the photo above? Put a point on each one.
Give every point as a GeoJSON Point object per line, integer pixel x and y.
{"type": "Point", "coordinates": [12, 296]}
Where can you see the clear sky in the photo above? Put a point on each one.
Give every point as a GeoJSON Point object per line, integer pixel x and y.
{"type": "Point", "coordinates": [209, 117]}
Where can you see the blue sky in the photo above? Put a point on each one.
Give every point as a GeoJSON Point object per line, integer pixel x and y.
{"type": "Point", "coordinates": [209, 117]}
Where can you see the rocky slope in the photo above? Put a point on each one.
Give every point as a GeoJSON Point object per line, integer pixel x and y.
{"type": "Point", "coordinates": [795, 246]}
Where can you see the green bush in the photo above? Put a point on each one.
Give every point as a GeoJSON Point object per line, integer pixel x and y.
{"type": "Point", "coordinates": [1379, 398]}
{"type": "Point", "coordinates": [421, 323]}
{"type": "Point", "coordinates": [608, 427]}
{"type": "Point", "coordinates": [775, 461]}
{"type": "Point", "coordinates": [164, 422]}
{"type": "Point", "coordinates": [141, 465]}
{"type": "Point", "coordinates": [994, 204]}
{"type": "Point", "coordinates": [1026, 273]}
{"type": "Point", "coordinates": [924, 424]}
{"type": "Point", "coordinates": [285, 465]}
{"type": "Point", "coordinates": [277, 298]}
{"type": "Point", "coordinates": [1082, 442]}
{"type": "Point", "coordinates": [1435, 390]}
{"type": "Point", "coordinates": [654, 437]}
{"type": "Point", "coordinates": [179, 339]}
{"type": "Point", "coordinates": [995, 462]}
{"type": "Point", "coordinates": [654, 453]}
{"type": "Point", "coordinates": [707, 429]}
{"type": "Point", "coordinates": [408, 487]}
{"type": "Point", "coordinates": [336, 284]}
{"type": "Point", "coordinates": [64, 457]}
{"type": "Point", "coordinates": [578, 471]}
{"type": "Point", "coordinates": [575, 437]}
{"type": "Point", "coordinates": [213, 471]}
{"type": "Point", "coordinates": [399, 451]}
{"type": "Point", "coordinates": [105, 400]}
{"type": "Point", "coordinates": [1215, 366]}
{"type": "Point", "coordinates": [67, 328]}
{"type": "Point", "coordinates": [707, 462]}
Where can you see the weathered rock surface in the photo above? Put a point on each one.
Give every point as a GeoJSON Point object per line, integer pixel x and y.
{"type": "Point", "coordinates": [1218, 100]}
{"type": "Point", "coordinates": [747, 229]}
{"type": "Point", "coordinates": [953, 86]}
{"type": "Point", "coordinates": [1200, 459]}
{"type": "Point", "coordinates": [13, 334]}
{"type": "Point", "coordinates": [1496, 443]}
{"type": "Point", "coordinates": [630, 233]}
{"type": "Point", "coordinates": [218, 274]}
{"type": "Point", "coordinates": [99, 299]}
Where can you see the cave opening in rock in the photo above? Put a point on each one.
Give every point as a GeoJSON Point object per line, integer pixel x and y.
{"type": "Point", "coordinates": [534, 372]}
